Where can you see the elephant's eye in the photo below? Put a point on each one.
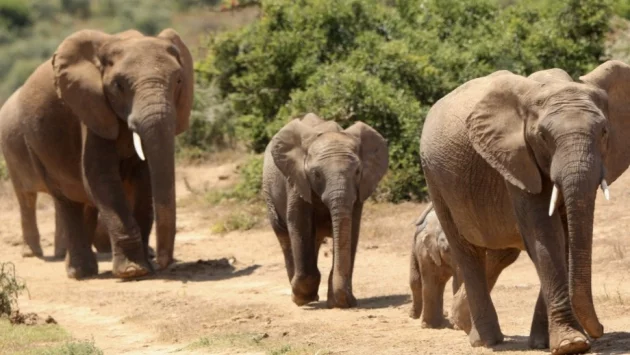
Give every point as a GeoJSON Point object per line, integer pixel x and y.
{"type": "Point", "coordinates": [358, 172]}
{"type": "Point", "coordinates": [119, 86]}
{"type": "Point", "coordinates": [605, 132]}
{"type": "Point", "coordinates": [542, 136]}
{"type": "Point", "coordinates": [317, 174]}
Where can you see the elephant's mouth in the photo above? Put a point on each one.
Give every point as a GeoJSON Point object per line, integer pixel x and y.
{"type": "Point", "coordinates": [553, 203]}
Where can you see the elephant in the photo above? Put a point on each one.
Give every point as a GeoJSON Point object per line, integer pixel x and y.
{"type": "Point", "coordinates": [431, 268]}
{"type": "Point", "coordinates": [316, 178]}
{"type": "Point", "coordinates": [94, 126]}
{"type": "Point", "coordinates": [501, 154]}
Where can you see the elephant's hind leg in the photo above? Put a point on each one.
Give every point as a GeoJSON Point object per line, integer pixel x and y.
{"type": "Point", "coordinates": [485, 329]}
{"type": "Point", "coordinates": [61, 238]}
{"type": "Point", "coordinates": [30, 232]}
{"type": "Point", "coordinates": [80, 259]}
{"type": "Point", "coordinates": [415, 283]}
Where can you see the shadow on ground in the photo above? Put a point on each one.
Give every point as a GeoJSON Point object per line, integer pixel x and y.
{"type": "Point", "coordinates": [369, 303]}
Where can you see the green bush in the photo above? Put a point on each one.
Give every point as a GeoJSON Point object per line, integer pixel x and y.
{"type": "Point", "coordinates": [387, 62]}
{"type": "Point", "coordinates": [14, 14]}
{"type": "Point", "coordinates": [10, 288]}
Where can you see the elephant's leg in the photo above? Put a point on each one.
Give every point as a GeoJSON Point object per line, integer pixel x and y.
{"type": "Point", "coordinates": [415, 283]}
{"type": "Point", "coordinates": [80, 259]}
{"type": "Point", "coordinates": [434, 283]}
{"type": "Point", "coordinates": [101, 242]}
{"type": "Point", "coordinates": [546, 245]}
{"type": "Point", "coordinates": [139, 194]}
{"type": "Point", "coordinates": [61, 238]}
{"type": "Point", "coordinates": [285, 243]}
{"type": "Point", "coordinates": [496, 261]}
{"type": "Point", "coordinates": [485, 330]}
{"type": "Point", "coordinates": [539, 333]}
{"type": "Point", "coordinates": [102, 178]}
{"type": "Point", "coordinates": [30, 232]}
{"type": "Point", "coordinates": [306, 278]}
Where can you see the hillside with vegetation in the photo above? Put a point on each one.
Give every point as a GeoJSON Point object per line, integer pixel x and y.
{"type": "Point", "coordinates": [384, 62]}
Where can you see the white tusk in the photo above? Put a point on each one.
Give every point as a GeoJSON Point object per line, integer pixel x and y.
{"type": "Point", "coordinates": [137, 143]}
{"type": "Point", "coordinates": [554, 199]}
{"type": "Point", "coordinates": [604, 186]}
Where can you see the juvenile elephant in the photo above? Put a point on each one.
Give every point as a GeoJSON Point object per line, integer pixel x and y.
{"type": "Point", "coordinates": [501, 154]}
{"type": "Point", "coordinates": [71, 130]}
{"type": "Point", "coordinates": [316, 177]}
{"type": "Point", "coordinates": [431, 268]}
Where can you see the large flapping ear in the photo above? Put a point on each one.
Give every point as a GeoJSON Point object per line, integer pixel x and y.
{"type": "Point", "coordinates": [186, 95]}
{"type": "Point", "coordinates": [79, 84]}
{"type": "Point", "coordinates": [496, 128]}
{"type": "Point", "coordinates": [288, 149]}
{"type": "Point", "coordinates": [429, 238]}
{"type": "Point", "coordinates": [614, 78]}
{"type": "Point", "coordinates": [374, 157]}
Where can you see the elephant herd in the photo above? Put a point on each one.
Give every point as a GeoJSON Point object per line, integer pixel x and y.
{"type": "Point", "coordinates": [512, 163]}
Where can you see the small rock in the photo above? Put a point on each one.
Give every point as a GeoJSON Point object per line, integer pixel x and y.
{"type": "Point", "coordinates": [284, 334]}
{"type": "Point", "coordinates": [50, 320]}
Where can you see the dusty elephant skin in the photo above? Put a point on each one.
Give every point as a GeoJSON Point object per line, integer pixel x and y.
{"type": "Point", "coordinates": [431, 268]}
{"type": "Point", "coordinates": [515, 162]}
{"type": "Point", "coordinates": [316, 177]}
{"type": "Point", "coordinates": [71, 130]}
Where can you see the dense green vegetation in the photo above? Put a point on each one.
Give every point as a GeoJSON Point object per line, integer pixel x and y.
{"type": "Point", "coordinates": [386, 63]}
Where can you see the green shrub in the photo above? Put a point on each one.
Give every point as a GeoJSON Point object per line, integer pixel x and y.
{"type": "Point", "coordinates": [10, 288]}
{"type": "Point", "coordinates": [15, 14]}
{"type": "Point", "coordinates": [387, 62]}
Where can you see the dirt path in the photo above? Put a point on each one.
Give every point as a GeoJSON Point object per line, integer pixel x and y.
{"type": "Point", "coordinates": [241, 304]}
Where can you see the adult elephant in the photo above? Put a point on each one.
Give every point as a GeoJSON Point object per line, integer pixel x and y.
{"type": "Point", "coordinates": [316, 177]}
{"type": "Point", "coordinates": [501, 154]}
{"type": "Point", "coordinates": [71, 130]}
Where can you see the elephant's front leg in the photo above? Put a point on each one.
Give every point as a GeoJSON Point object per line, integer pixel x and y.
{"type": "Point", "coordinates": [80, 259]}
{"type": "Point", "coordinates": [545, 242]}
{"type": "Point", "coordinates": [306, 277]}
{"type": "Point", "coordinates": [102, 179]}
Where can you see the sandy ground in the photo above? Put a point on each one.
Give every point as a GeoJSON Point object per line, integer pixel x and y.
{"type": "Point", "coordinates": [245, 307]}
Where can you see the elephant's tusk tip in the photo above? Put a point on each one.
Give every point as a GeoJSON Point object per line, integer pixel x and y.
{"type": "Point", "coordinates": [137, 144]}
{"type": "Point", "coordinates": [605, 189]}
{"type": "Point", "coordinates": [554, 200]}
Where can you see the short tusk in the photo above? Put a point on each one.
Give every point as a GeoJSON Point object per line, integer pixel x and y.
{"type": "Point", "coordinates": [554, 199]}
{"type": "Point", "coordinates": [604, 186]}
{"type": "Point", "coordinates": [137, 144]}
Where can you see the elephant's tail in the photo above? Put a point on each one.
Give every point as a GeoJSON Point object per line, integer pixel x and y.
{"type": "Point", "coordinates": [421, 221]}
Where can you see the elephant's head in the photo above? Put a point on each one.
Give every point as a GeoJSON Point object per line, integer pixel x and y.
{"type": "Point", "coordinates": [128, 81]}
{"type": "Point", "coordinates": [339, 166]}
{"type": "Point", "coordinates": [430, 237]}
{"type": "Point", "coordinates": [550, 131]}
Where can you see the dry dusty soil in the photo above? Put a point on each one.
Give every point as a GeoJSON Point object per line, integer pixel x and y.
{"type": "Point", "coordinates": [243, 305]}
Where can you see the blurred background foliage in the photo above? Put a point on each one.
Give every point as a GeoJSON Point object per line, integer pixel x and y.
{"type": "Point", "coordinates": [260, 63]}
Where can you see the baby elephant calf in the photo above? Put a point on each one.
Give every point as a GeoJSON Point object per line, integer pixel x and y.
{"type": "Point", "coordinates": [431, 268]}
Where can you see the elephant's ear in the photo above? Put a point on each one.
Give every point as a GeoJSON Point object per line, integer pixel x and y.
{"type": "Point", "coordinates": [78, 81]}
{"type": "Point", "coordinates": [429, 237]}
{"type": "Point", "coordinates": [320, 125]}
{"type": "Point", "coordinates": [614, 78]}
{"type": "Point", "coordinates": [186, 95]}
{"type": "Point", "coordinates": [496, 128]}
{"type": "Point", "coordinates": [288, 149]}
{"type": "Point", "coordinates": [374, 157]}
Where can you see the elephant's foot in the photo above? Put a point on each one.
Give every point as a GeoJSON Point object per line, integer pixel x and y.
{"type": "Point", "coordinates": [164, 260]}
{"type": "Point", "coordinates": [150, 252]}
{"type": "Point", "coordinates": [81, 265]}
{"type": "Point", "coordinates": [32, 251]}
{"type": "Point", "coordinates": [60, 252]}
{"type": "Point", "coordinates": [539, 334]}
{"type": "Point", "coordinates": [415, 311]}
{"type": "Point", "coordinates": [125, 268]}
{"type": "Point", "coordinates": [487, 336]}
{"type": "Point", "coordinates": [593, 327]}
{"type": "Point", "coordinates": [460, 315]}
{"type": "Point", "coordinates": [341, 299]}
{"type": "Point", "coordinates": [566, 340]}
{"type": "Point", "coordinates": [434, 322]}
{"type": "Point", "coordinates": [304, 289]}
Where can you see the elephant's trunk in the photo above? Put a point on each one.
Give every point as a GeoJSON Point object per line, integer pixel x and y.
{"type": "Point", "coordinates": [156, 128]}
{"type": "Point", "coordinates": [579, 179]}
{"type": "Point", "coordinates": [341, 206]}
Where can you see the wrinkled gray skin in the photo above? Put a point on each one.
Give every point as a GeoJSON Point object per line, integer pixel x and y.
{"type": "Point", "coordinates": [68, 132]}
{"type": "Point", "coordinates": [492, 151]}
{"type": "Point", "coordinates": [316, 177]}
{"type": "Point", "coordinates": [431, 268]}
